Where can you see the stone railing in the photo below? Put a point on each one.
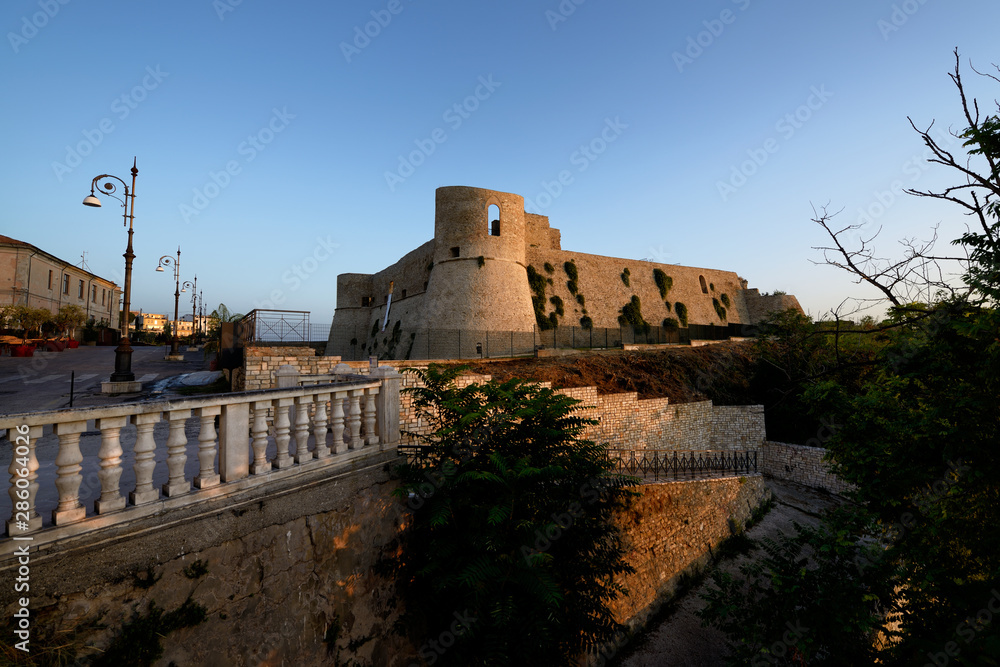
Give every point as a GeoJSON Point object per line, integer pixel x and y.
{"type": "Point", "coordinates": [58, 462]}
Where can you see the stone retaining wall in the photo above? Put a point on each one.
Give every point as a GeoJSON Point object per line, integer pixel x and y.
{"type": "Point", "coordinates": [801, 464]}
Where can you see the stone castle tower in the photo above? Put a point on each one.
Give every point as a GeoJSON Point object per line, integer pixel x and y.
{"type": "Point", "coordinates": [472, 278]}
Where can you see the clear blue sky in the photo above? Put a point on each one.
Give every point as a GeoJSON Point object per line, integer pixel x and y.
{"type": "Point", "coordinates": [265, 131]}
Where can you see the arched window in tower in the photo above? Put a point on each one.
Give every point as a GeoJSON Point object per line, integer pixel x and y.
{"type": "Point", "coordinates": [704, 286]}
{"type": "Point", "coordinates": [493, 215]}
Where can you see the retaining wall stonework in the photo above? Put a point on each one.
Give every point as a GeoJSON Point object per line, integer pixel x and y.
{"type": "Point", "coordinates": [673, 528]}
{"type": "Point", "coordinates": [801, 464]}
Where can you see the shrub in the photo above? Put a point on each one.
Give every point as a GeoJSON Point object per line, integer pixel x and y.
{"type": "Point", "coordinates": [682, 313]}
{"type": "Point", "coordinates": [631, 314]}
{"type": "Point", "coordinates": [571, 284]}
{"type": "Point", "coordinates": [625, 277]}
{"type": "Point", "coordinates": [724, 298]}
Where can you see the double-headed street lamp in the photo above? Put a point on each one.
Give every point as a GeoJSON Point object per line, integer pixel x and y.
{"type": "Point", "coordinates": [123, 353]}
{"type": "Point", "coordinates": [167, 260]}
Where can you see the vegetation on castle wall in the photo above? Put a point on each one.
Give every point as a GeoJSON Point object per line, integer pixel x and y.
{"type": "Point", "coordinates": [549, 268]}
{"type": "Point", "coordinates": [724, 298]}
{"type": "Point", "coordinates": [571, 273]}
{"type": "Point", "coordinates": [558, 304]}
{"type": "Point", "coordinates": [631, 314]}
{"type": "Point", "coordinates": [719, 310]}
{"type": "Point", "coordinates": [580, 300]}
{"type": "Point", "coordinates": [536, 282]}
{"type": "Point", "coordinates": [663, 283]}
{"type": "Point", "coordinates": [669, 323]}
{"type": "Point", "coordinates": [682, 313]}
{"type": "Point", "coordinates": [481, 261]}
{"type": "Point", "coordinates": [586, 322]}
{"type": "Point", "coordinates": [625, 277]}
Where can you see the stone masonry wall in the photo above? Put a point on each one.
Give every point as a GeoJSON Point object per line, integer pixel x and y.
{"type": "Point", "coordinates": [672, 528]}
{"type": "Point", "coordinates": [289, 577]}
{"type": "Point", "coordinates": [801, 464]}
{"type": "Point", "coordinates": [259, 364]}
{"type": "Point", "coordinates": [625, 421]}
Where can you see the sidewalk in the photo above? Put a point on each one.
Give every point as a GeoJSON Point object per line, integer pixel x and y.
{"type": "Point", "coordinates": [44, 382]}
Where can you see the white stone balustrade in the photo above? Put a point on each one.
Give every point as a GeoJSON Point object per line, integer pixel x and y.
{"type": "Point", "coordinates": [307, 427]}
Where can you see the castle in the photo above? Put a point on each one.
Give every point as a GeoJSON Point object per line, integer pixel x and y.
{"type": "Point", "coordinates": [493, 269]}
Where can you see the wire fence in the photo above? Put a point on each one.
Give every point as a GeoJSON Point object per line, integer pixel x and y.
{"type": "Point", "coordinates": [355, 344]}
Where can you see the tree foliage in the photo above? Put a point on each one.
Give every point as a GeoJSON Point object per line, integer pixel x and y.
{"type": "Point", "coordinates": [510, 547]}
{"type": "Point", "coordinates": [915, 572]}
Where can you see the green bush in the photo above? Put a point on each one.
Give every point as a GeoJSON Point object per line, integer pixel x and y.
{"type": "Point", "coordinates": [536, 282]}
{"type": "Point", "coordinates": [625, 277]}
{"type": "Point", "coordinates": [631, 315]}
{"type": "Point", "coordinates": [682, 313]}
{"type": "Point", "coordinates": [571, 272]}
{"type": "Point", "coordinates": [512, 525]}
{"type": "Point", "coordinates": [719, 310]}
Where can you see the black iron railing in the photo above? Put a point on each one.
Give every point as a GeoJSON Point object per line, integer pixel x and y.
{"type": "Point", "coordinates": [655, 464]}
{"type": "Point", "coordinates": [674, 464]}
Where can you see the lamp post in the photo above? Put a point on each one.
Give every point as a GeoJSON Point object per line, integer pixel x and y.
{"type": "Point", "coordinates": [194, 302]}
{"type": "Point", "coordinates": [123, 353]}
{"type": "Point", "coordinates": [167, 260]}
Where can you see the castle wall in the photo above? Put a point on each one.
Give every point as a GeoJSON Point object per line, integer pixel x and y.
{"type": "Point", "coordinates": [759, 306]}
{"type": "Point", "coordinates": [600, 282]}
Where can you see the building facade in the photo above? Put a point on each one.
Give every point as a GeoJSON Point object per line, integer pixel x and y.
{"type": "Point", "coordinates": [30, 276]}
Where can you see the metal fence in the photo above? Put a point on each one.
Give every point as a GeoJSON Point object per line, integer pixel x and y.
{"type": "Point", "coordinates": [355, 344]}
{"type": "Point", "coordinates": [666, 464]}
{"type": "Point", "coordinates": [651, 464]}
{"type": "Point", "coordinates": [274, 326]}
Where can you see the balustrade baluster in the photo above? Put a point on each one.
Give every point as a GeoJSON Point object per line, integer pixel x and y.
{"type": "Point", "coordinates": [145, 452]}
{"type": "Point", "coordinates": [68, 468]}
{"type": "Point", "coordinates": [354, 419]}
{"type": "Point", "coordinates": [177, 454]}
{"type": "Point", "coordinates": [281, 432]}
{"type": "Point", "coordinates": [260, 463]}
{"type": "Point", "coordinates": [24, 517]}
{"type": "Point", "coordinates": [302, 453]}
{"type": "Point", "coordinates": [321, 449]}
{"type": "Point", "coordinates": [337, 423]}
{"type": "Point", "coordinates": [207, 477]}
{"type": "Point", "coordinates": [111, 499]}
{"type": "Point", "coordinates": [371, 437]}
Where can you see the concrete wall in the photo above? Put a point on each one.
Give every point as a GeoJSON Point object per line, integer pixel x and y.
{"type": "Point", "coordinates": [801, 464]}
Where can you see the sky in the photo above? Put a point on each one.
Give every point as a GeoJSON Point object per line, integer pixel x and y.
{"type": "Point", "coordinates": [281, 144]}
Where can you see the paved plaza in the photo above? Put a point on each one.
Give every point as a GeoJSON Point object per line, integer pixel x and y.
{"type": "Point", "coordinates": [43, 382]}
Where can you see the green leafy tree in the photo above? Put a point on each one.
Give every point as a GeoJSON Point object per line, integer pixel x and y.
{"type": "Point", "coordinates": [69, 318]}
{"type": "Point", "coordinates": [511, 546]}
{"type": "Point", "coordinates": [918, 437]}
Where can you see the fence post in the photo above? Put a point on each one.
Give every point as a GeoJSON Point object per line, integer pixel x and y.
{"type": "Point", "coordinates": [387, 404]}
{"type": "Point", "coordinates": [286, 377]}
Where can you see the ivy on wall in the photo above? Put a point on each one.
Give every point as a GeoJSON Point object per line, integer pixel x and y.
{"type": "Point", "coordinates": [682, 313]}
{"type": "Point", "coordinates": [571, 273]}
{"type": "Point", "coordinates": [631, 314]}
{"type": "Point", "coordinates": [537, 282]}
{"type": "Point", "coordinates": [625, 277]}
{"type": "Point", "coordinates": [719, 310]}
{"type": "Point", "coordinates": [663, 283]}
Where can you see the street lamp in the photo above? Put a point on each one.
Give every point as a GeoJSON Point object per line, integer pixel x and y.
{"type": "Point", "coordinates": [194, 305]}
{"type": "Point", "coordinates": [167, 260]}
{"type": "Point", "coordinates": [123, 353]}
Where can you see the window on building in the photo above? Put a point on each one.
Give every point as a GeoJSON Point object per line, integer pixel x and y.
{"type": "Point", "coordinates": [704, 285]}
{"type": "Point", "coordinates": [66, 285]}
{"type": "Point", "coordinates": [93, 293]}
{"type": "Point", "coordinates": [81, 290]}
{"type": "Point", "coordinates": [404, 295]}
{"type": "Point", "coordinates": [454, 251]}
{"type": "Point", "coordinates": [493, 215]}
{"type": "Point", "coordinates": [50, 279]}
{"type": "Point", "coordinates": [367, 301]}
{"type": "Point", "coordinates": [104, 294]}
